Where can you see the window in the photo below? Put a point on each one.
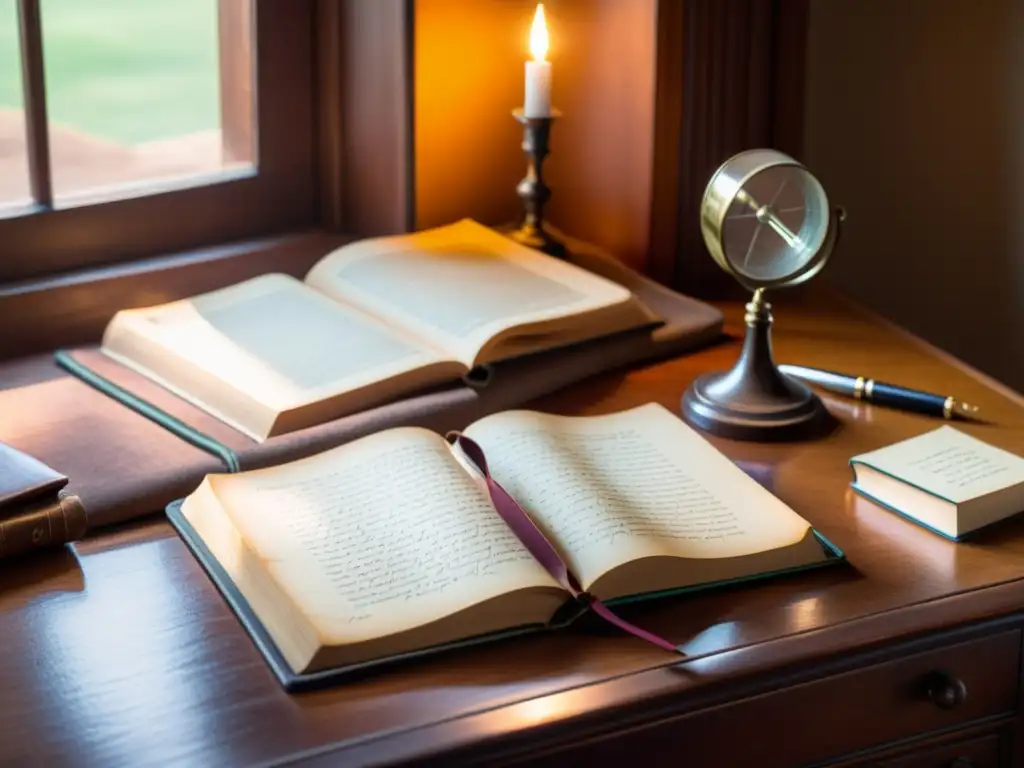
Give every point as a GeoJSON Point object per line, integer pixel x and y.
{"type": "Point", "coordinates": [132, 128]}
{"type": "Point", "coordinates": [13, 158]}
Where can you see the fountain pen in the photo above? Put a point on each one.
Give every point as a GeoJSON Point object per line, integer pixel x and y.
{"type": "Point", "coordinates": [863, 388]}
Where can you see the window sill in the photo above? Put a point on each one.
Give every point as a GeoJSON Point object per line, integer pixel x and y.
{"type": "Point", "coordinates": [73, 309]}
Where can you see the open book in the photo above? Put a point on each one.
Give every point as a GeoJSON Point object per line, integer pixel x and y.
{"type": "Point", "coordinates": [391, 544]}
{"type": "Point", "coordinates": [372, 321]}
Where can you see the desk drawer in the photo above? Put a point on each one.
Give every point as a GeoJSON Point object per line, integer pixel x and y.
{"type": "Point", "coordinates": [979, 752]}
{"type": "Point", "coordinates": [863, 709]}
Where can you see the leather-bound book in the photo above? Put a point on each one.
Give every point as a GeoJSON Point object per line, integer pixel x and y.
{"type": "Point", "coordinates": [44, 523]}
{"type": "Point", "coordinates": [34, 513]}
{"type": "Point", "coordinates": [24, 479]}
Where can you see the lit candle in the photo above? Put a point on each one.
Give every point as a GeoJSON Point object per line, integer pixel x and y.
{"type": "Point", "coordinates": [538, 72]}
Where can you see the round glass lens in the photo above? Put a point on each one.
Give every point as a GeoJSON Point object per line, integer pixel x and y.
{"type": "Point", "coordinates": [775, 224]}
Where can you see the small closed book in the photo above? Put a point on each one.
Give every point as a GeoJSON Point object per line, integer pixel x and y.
{"type": "Point", "coordinates": [945, 480]}
{"type": "Point", "coordinates": [24, 480]}
{"type": "Point", "coordinates": [35, 512]}
{"type": "Point", "coordinates": [391, 544]}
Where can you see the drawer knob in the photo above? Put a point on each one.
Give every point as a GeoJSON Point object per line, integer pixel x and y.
{"type": "Point", "coordinates": [945, 689]}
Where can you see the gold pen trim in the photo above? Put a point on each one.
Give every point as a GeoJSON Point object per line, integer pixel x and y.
{"type": "Point", "coordinates": [858, 388]}
{"type": "Point", "coordinates": [948, 406]}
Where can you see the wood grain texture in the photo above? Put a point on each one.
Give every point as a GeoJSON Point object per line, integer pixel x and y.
{"type": "Point", "coordinates": [330, 113]}
{"type": "Point", "coordinates": [890, 695]}
{"type": "Point", "coordinates": [977, 752]}
{"type": "Point", "coordinates": [603, 148]}
{"type": "Point", "coordinates": [33, 87]}
{"type": "Point", "coordinates": [125, 652]}
{"type": "Point", "coordinates": [237, 80]}
{"type": "Point", "coordinates": [365, 85]}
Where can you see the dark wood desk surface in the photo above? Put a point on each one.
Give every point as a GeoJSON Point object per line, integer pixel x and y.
{"type": "Point", "coordinates": [125, 654]}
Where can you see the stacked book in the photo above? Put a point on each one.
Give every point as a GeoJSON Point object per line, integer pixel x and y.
{"type": "Point", "coordinates": [35, 510]}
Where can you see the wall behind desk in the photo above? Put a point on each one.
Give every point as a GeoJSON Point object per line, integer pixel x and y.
{"type": "Point", "coordinates": [469, 74]}
{"type": "Point", "coordinates": [915, 122]}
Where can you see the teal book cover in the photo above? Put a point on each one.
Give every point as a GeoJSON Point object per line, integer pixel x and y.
{"type": "Point", "coordinates": [920, 523]}
{"type": "Point", "coordinates": [905, 515]}
{"type": "Point", "coordinates": [571, 611]}
{"type": "Point", "coordinates": [945, 480]}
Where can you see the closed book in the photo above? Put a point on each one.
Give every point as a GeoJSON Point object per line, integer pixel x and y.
{"type": "Point", "coordinates": [24, 479]}
{"type": "Point", "coordinates": [44, 523]}
{"type": "Point", "coordinates": [945, 480]}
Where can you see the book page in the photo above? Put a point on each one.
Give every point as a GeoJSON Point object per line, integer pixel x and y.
{"type": "Point", "coordinates": [948, 463]}
{"type": "Point", "coordinates": [461, 285]}
{"type": "Point", "coordinates": [271, 340]}
{"type": "Point", "coordinates": [640, 483]}
{"type": "Point", "coordinates": [380, 536]}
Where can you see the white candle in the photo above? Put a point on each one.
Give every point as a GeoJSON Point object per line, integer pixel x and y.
{"type": "Point", "coordinates": [537, 102]}
{"type": "Point", "coordinates": [538, 89]}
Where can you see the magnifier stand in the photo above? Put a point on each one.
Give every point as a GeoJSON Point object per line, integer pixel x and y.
{"type": "Point", "coordinates": [754, 401]}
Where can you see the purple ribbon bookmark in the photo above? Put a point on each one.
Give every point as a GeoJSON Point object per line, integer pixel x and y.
{"type": "Point", "coordinates": [542, 550]}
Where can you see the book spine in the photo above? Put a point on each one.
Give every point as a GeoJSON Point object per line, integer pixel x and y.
{"type": "Point", "coordinates": [48, 524]}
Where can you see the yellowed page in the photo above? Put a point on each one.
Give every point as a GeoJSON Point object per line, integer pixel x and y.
{"type": "Point", "coordinates": [462, 286]}
{"type": "Point", "coordinates": [250, 351]}
{"type": "Point", "coordinates": [949, 464]}
{"type": "Point", "coordinates": [639, 483]}
{"type": "Point", "coordinates": [380, 536]}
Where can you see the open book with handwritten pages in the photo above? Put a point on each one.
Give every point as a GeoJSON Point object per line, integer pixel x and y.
{"type": "Point", "coordinates": [392, 543]}
{"type": "Point", "coordinates": [372, 321]}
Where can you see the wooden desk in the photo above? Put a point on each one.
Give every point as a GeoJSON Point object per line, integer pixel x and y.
{"type": "Point", "coordinates": [126, 655]}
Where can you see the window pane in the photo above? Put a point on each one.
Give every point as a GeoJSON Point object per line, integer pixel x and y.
{"type": "Point", "coordinates": [134, 92]}
{"type": "Point", "coordinates": [14, 186]}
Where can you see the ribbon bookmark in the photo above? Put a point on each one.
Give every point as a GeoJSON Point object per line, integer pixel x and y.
{"type": "Point", "coordinates": [542, 550]}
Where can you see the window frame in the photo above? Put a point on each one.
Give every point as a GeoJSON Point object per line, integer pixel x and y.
{"type": "Point", "coordinates": [280, 194]}
{"type": "Point", "coordinates": [362, 181]}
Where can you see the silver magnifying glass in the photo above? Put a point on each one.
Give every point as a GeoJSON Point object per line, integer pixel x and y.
{"type": "Point", "coordinates": [767, 221]}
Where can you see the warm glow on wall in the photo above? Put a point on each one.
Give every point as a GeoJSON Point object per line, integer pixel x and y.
{"type": "Point", "coordinates": [539, 35]}
{"type": "Point", "coordinates": [468, 153]}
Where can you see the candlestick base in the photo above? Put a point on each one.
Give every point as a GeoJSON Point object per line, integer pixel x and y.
{"type": "Point", "coordinates": [539, 239]}
{"type": "Point", "coordinates": [532, 190]}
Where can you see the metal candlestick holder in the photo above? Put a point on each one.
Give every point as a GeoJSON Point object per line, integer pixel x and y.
{"type": "Point", "coordinates": [532, 190]}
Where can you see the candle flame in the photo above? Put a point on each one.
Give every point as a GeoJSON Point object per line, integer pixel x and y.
{"type": "Point", "coordinates": [539, 35]}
